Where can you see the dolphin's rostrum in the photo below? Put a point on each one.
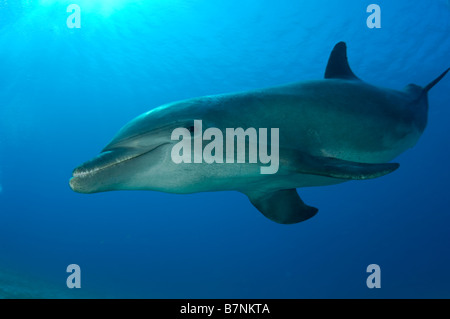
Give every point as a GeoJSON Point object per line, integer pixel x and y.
{"type": "Point", "coordinates": [330, 131]}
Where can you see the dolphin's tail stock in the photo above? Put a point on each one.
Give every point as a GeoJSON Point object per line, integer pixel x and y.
{"type": "Point", "coordinates": [419, 93]}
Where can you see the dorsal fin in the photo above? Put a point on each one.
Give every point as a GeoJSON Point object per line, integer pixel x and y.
{"type": "Point", "coordinates": [338, 67]}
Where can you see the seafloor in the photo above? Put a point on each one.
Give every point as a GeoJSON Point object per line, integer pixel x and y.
{"type": "Point", "coordinates": [16, 286]}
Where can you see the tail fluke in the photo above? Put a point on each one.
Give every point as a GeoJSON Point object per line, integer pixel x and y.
{"type": "Point", "coordinates": [435, 81]}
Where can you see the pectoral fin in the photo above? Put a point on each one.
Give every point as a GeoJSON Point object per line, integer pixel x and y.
{"type": "Point", "coordinates": [333, 167]}
{"type": "Point", "coordinates": [282, 206]}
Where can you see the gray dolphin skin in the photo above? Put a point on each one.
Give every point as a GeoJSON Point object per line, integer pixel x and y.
{"type": "Point", "coordinates": [330, 131]}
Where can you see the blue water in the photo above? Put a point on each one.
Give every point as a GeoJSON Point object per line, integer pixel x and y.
{"type": "Point", "coordinates": [64, 93]}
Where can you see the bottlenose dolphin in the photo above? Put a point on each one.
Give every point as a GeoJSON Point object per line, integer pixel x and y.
{"type": "Point", "coordinates": [330, 131]}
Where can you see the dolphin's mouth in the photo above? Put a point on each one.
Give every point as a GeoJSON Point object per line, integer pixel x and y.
{"type": "Point", "coordinates": [108, 159]}
{"type": "Point", "coordinates": [88, 171]}
{"type": "Point", "coordinates": [103, 161]}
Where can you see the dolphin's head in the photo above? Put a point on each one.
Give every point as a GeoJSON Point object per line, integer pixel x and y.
{"type": "Point", "coordinates": [139, 156]}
